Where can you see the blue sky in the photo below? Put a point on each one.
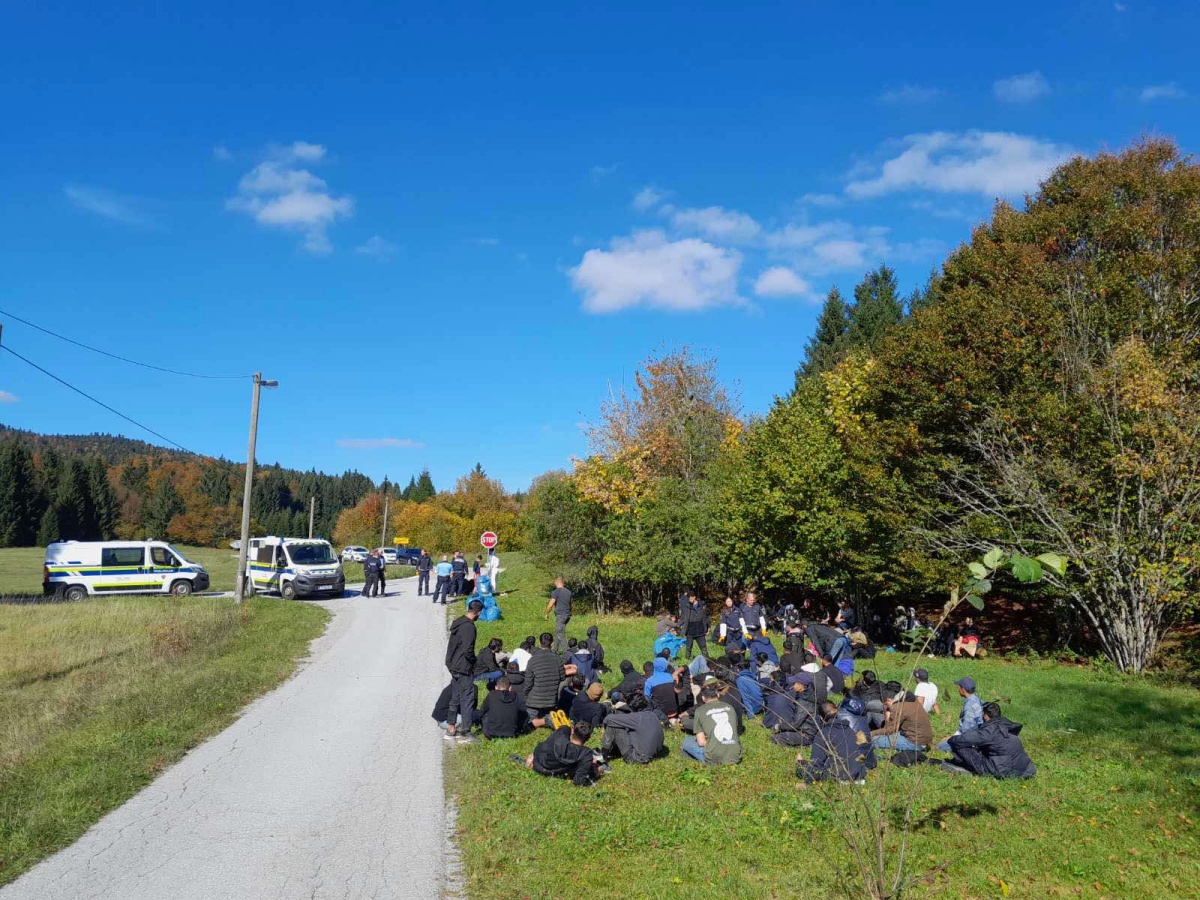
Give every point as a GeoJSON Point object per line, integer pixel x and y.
{"type": "Point", "coordinates": [448, 231]}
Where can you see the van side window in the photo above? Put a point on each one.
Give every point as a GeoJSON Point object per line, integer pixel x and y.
{"type": "Point", "coordinates": [163, 557]}
{"type": "Point", "coordinates": [122, 556]}
{"type": "Point", "coordinates": [266, 554]}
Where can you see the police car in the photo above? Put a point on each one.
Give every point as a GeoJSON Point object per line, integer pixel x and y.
{"type": "Point", "coordinates": [295, 567]}
{"type": "Point", "coordinates": [77, 569]}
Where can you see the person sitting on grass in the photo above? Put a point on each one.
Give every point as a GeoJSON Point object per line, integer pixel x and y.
{"type": "Point", "coordinates": [587, 706]}
{"type": "Point", "coordinates": [763, 666]}
{"type": "Point", "coordinates": [516, 680]}
{"type": "Point", "coordinates": [851, 712]}
{"type": "Point", "coordinates": [634, 733]}
{"type": "Point", "coordinates": [778, 707]}
{"type": "Point", "coordinates": [793, 655]}
{"type": "Point", "coordinates": [967, 641]}
{"type": "Point", "coordinates": [503, 714]}
{"type": "Point", "coordinates": [665, 623]}
{"type": "Point", "coordinates": [593, 642]}
{"type": "Point", "coordinates": [835, 679]}
{"type": "Point", "coordinates": [564, 754]}
{"type": "Point", "coordinates": [571, 689]}
{"type": "Point", "coordinates": [749, 690]}
{"type": "Point", "coordinates": [992, 749]}
{"type": "Point", "coordinates": [523, 653]}
{"type": "Point", "coordinates": [658, 675]}
{"type": "Point", "coordinates": [870, 691]}
{"type": "Point", "coordinates": [906, 725]}
{"type": "Point", "coordinates": [926, 691]}
{"type": "Point", "coordinates": [580, 656]}
{"type": "Point", "coordinates": [716, 740]}
{"type": "Point", "coordinates": [800, 731]}
{"type": "Point", "coordinates": [971, 715]}
{"type": "Point", "coordinates": [631, 681]}
{"type": "Point", "coordinates": [836, 753]}
{"type": "Point", "coordinates": [489, 664]}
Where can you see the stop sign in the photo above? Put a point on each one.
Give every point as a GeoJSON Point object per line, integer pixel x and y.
{"type": "Point", "coordinates": [489, 540]}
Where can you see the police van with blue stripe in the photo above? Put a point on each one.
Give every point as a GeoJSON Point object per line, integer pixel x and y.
{"type": "Point", "coordinates": [294, 567]}
{"type": "Point", "coordinates": [78, 569]}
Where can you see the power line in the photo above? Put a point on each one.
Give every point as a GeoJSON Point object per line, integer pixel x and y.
{"type": "Point", "coordinates": [123, 359]}
{"type": "Point", "coordinates": [97, 402]}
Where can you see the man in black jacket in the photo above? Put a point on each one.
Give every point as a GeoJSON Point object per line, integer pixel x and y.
{"type": "Point", "coordinates": [424, 567]}
{"type": "Point", "coordinates": [371, 567]}
{"type": "Point", "coordinates": [565, 755]}
{"type": "Point", "coordinates": [693, 620]}
{"type": "Point", "coordinates": [460, 660]}
{"type": "Point", "coordinates": [503, 712]}
{"type": "Point", "coordinates": [458, 574]}
{"type": "Point", "coordinates": [587, 706]}
{"type": "Point", "coordinates": [836, 753]}
{"type": "Point", "coordinates": [632, 681]}
{"type": "Point", "coordinates": [636, 737]}
{"type": "Point", "coordinates": [544, 673]}
{"type": "Point", "coordinates": [991, 749]}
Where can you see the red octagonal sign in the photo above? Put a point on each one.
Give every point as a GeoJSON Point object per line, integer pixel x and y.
{"type": "Point", "coordinates": [489, 540]}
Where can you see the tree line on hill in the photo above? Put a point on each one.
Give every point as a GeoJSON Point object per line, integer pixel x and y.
{"type": "Point", "coordinates": [1041, 393]}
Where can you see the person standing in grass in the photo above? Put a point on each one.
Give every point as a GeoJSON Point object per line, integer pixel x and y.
{"type": "Point", "coordinates": [560, 603]}
{"type": "Point", "coordinates": [716, 740]}
{"type": "Point", "coordinates": [695, 624]}
{"type": "Point", "coordinates": [460, 661]}
{"type": "Point", "coordinates": [493, 570]}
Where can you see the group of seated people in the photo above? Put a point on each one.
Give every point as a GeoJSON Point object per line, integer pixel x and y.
{"type": "Point", "coordinates": [807, 698]}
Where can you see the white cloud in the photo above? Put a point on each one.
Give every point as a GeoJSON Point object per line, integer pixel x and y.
{"type": "Point", "coordinates": [107, 204]}
{"type": "Point", "coordinates": [599, 172]}
{"type": "Point", "coordinates": [1021, 88]}
{"type": "Point", "coordinates": [781, 281]}
{"type": "Point", "coordinates": [279, 193]}
{"type": "Point", "coordinates": [1120, 7]}
{"type": "Point", "coordinates": [377, 248]}
{"type": "Point", "coordinates": [910, 93]}
{"type": "Point", "coordinates": [821, 199]}
{"type": "Point", "coordinates": [1169, 91]}
{"type": "Point", "coordinates": [7, 397]}
{"type": "Point", "coordinates": [221, 153]}
{"type": "Point", "coordinates": [717, 223]}
{"type": "Point", "coordinates": [377, 443]}
{"type": "Point", "coordinates": [649, 270]}
{"type": "Point", "coordinates": [647, 198]}
{"type": "Point", "coordinates": [992, 163]}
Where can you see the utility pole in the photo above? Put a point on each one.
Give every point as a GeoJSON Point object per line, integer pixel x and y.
{"type": "Point", "coordinates": [383, 537]}
{"type": "Point", "coordinates": [312, 512]}
{"type": "Point", "coordinates": [239, 589]}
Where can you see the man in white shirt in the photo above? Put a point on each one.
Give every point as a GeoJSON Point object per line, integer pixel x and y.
{"type": "Point", "coordinates": [493, 569]}
{"type": "Point", "coordinates": [522, 654]}
{"type": "Point", "coordinates": [926, 691]}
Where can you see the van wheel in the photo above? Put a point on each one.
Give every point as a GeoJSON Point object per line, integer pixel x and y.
{"type": "Point", "coordinates": [288, 591]}
{"type": "Point", "coordinates": [181, 588]}
{"type": "Point", "coordinates": [75, 593]}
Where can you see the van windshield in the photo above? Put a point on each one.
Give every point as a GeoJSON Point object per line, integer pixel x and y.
{"type": "Point", "coordinates": [311, 554]}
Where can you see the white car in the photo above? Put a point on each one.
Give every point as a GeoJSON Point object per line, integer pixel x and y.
{"type": "Point", "coordinates": [390, 556]}
{"type": "Point", "coordinates": [354, 554]}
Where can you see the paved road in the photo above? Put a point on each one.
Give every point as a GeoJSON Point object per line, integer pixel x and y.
{"type": "Point", "coordinates": [328, 787]}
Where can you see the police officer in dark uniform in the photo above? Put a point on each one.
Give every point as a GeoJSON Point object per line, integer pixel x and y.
{"type": "Point", "coordinates": [458, 577]}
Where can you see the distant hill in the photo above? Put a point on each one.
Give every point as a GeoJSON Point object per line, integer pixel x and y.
{"type": "Point", "coordinates": [112, 448]}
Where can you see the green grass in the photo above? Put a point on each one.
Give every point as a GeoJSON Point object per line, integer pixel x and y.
{"type": "Point", "coordinates": [98, 697]}
{"type": "Point", "coordinates": [1111, 813]}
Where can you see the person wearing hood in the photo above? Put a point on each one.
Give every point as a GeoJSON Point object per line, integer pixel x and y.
{"type": "Point", "coordinates": [992, 749]}
{"type": "Point", "coordinates": [503, 713]}
{"type": "Point", "coordinates": [593, 642]}
{"type": "Point", "coordinates": [632, 681]}
{"type": "Point", "coordinates": [657, 677]}
{"type": "Point", "coordinates": [802, 728]}
{"type": "Point", "coordinates": [564, 754]}
{"type": "Point", "coordinates": [635, 734]}
{"type": "Point", "coordinates": [750, 691]}
{"type": "Point", "coordinates": [762, 644]}
{"type": "Point", "coordinates": [778, 708]}
{"type": "Point", "coordinates": [581, 658]}
{"type": "Point", "coordinates": [836, 752]}
{"type": "Point", "coordinates": [460, 662]}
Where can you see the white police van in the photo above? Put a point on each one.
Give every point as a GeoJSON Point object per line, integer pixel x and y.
{"type": "Point", "coordinates": [295, 567]}
{"type": "Point", "coordinates": [78, 569]}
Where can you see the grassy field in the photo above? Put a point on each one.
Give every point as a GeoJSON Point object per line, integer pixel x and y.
{"type": "Point", "coordinates": [21, 568]}
{"type": "Point", "coordinates": [98, 697]}
{"type": "Point", "coordinates": [1112, 812]}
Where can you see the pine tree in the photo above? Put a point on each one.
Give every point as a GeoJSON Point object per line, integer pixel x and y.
{"type": "Point", "coordinates": [828, 343]}
{"type": "Point", "coordinates": [76, 518]}
{"type": "Point", "coordinates": [134, 477]}
{"type": "Point", "coordinates": [877, 307]}
{"type": "Point", "coordinates": [106, 511]}
{"type": "Point", "coordinates": [48, 528]}
{"type": "Point", "coordinates": [214, 484]}
{"type": "Point", "coordinates": [20, 500]}
{"type": "Point", "coordinates": [424, 489]}
{"type": "Point", "coordinates": [164, 504]}
{"type": "Point", "coordinates": [407, 493]}
{"type": "Point", "coordinates": [50, 469]}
